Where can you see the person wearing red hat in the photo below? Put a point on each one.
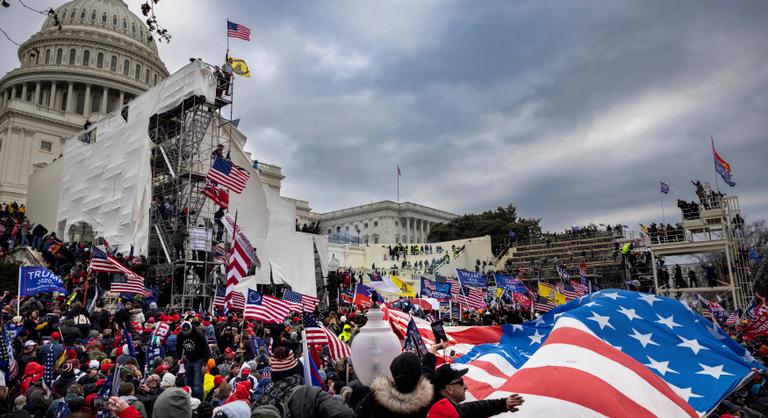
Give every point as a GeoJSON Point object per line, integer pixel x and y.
{"type": "Point", "coordinates": [450, 391]}
{"type": "Point", "coordinates": [53, 346]}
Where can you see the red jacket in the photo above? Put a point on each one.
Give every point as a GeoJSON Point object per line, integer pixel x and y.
{"type": "Point", "coordinates": [443, 408]}
{"type": "Point", "coordinates": [131, 412]}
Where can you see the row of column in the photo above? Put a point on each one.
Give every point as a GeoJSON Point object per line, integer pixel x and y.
{"type": "Point", "coordinates": [9, 94]}
{"type": "Point", "coordinates": [419, 231]}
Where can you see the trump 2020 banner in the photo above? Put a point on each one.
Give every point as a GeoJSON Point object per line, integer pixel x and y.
{"type": "Point", "coordinates": [472, 279]}
{"type": "Point", "coordinates": [510, 283]}
{"type": "Point", "coordinates": [39, 279]}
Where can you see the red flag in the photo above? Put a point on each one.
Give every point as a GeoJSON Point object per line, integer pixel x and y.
{"type": "Point", "coordinates": [759, 325]}
{"type": "Point", "coordinates": [219, 196]}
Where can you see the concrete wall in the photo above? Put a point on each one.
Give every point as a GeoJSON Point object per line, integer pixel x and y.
{"type": "Point", "coordinates": [43, 197]}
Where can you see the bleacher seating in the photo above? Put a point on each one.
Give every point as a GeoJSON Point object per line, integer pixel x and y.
{"type": "Point", "coordinates": [539, 259]}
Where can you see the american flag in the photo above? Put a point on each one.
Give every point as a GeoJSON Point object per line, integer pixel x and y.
{"type": "Point", "coordinates": [229, 175]}
{"type": "Point", "coordinates": [266, 308]}
{"type": "Point", "coordinates": [579, 287]}
{"type": "Point", "coordinates": [317, 334]}
{"type": "Point", "coordinates": [7, 359]}
{"type": "Point", "coordinates": [542, 304]}
{"type": "Point", "coordinates": [568, 290]}
{"type": "Point", "coordinates": [346, 296]}
{"type": "Point", "coordinates": [49, 363]}
{"type": "Point", "coordinates": [696, 359]}
{"type": "Point", "coordinates": [238, 265]}
{"type": "Point", "coordinates": [266, 372]}
{"type": "Point", "coordinates": [128, 283]}
{"type": "Point", "coordinates": [732, 319]}
{"type": "Point", "coordinates": [238, 300]}
{"type": "Point", "coordinates": [305, 302]}
{"type": "Point", "coordinates": [220, 253]}
{"type": "Point", "coordinates": [235, 30]}
{"type": "Point", "coordinates": [103, 262]}
{"type": "Point", "coordinates": [217, 195]}
{"type": "Point", "coordinates": [472, 297]}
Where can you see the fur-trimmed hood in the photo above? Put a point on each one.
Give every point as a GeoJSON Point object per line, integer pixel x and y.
{"type": "Point", "coordinates": [389, 397]}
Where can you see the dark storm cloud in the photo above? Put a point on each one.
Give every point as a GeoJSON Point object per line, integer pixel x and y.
{"type": "Point", "coordinates": [572, 111]}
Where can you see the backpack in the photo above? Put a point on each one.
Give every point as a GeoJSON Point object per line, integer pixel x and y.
{"type": "Point", "coordinates": [266, 411]}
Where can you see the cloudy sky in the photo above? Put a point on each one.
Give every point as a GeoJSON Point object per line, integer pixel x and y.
{"type": "Point", "coordinates": [570, 110]}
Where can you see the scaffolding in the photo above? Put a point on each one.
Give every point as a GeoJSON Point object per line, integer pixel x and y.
{"type": "Point", "coordinates": [716, 226]}
{"type": "Point", "coordinates": [182, 225]}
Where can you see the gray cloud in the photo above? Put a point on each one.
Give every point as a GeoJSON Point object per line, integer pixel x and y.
{"type": "Point", "coordinates": [572, 111]}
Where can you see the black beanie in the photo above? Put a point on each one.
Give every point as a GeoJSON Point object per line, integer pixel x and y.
{"type": "Point", "coordinates": [406, 371]}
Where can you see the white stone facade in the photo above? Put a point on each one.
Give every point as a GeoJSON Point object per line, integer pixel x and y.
{"type": "Point", "coordinates": [381, 222]}
{"type": "Point", "coordinates": [101, 58]}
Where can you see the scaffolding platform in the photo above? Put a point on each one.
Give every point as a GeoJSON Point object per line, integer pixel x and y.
{"type": "Point", "coordinates": [716, 228]}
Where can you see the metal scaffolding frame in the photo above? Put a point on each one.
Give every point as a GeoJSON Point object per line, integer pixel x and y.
{"type": "Point", "coordinates": [184, 140]}
{"type": "Point", "coordinates": [718, 228]}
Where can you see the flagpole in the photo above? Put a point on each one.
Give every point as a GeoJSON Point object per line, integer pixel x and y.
{"type": "Point", "coordinates": [305, 359]}
{"type": "Point", "coordinates": [663, 217]}
{"type": "Point", "coordinates": [397, 175]}
{"type": "Point", "coordinates": [18, 296]}
{"type": "Point", "coordinates": [714, 161]}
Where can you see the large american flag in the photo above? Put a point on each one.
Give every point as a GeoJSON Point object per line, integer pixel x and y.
{"type": "Point", "coordinates": [305, 302]}
{"type": "Point", "coordinates": [238, 300]}
{"type": "Point", "coordinates": [229, 175]}
{"type": "Point", "coordinates": [127, 283]}
{"type": "Point", "coordinates": [645, 354]}
{"type": "Point", "coordinates": [317, 334]}
{"type": "Point", "coordinates": [266, 308]}
{"type": "Point", "coordinates": [235, 30]}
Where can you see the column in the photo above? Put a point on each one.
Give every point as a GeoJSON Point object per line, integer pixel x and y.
{"type": "Point", "coordinates": [87, 107]}
{"type": "Point", "coordinates": [24, 92]}
{"type": "Point", "coordinates": [70, 97]}
{"type": "Point", "coordinates": [407, 230]}
{"type": "Point", "coordinates": [36, 99]}
{"type": "Point", "coordinates": [120, 101]}
{"type": "Point", "coordinates": [52, 98]}
{"type": "Point", "coordinates": [4, 99]}
{"type": "Point", "coordinates": [104, 96]}
{"type": "Point", "coordinates": [13, 93]}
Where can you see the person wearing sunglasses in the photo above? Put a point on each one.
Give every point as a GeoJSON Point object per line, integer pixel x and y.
{"type": "Point", "coordinates": [450, 393]}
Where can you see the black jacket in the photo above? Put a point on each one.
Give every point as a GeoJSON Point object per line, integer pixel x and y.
{"type": "Point", "coordinates": [193, 346]}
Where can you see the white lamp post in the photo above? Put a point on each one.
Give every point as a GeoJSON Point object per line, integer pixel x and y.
{"type": "Point", "coordinates": [374, 348]}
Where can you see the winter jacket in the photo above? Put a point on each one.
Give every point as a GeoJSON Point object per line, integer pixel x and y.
{"type": "Point", "coordinates": [129, 412]}
{"type": "Point", "coordinates": [311, 401]}
{"type": "Point", "coordinates": [385, 401]}
{"type": "Point", "coordinates": [136, 403]}
{"type": "Point", "coordinates": [193, 346]}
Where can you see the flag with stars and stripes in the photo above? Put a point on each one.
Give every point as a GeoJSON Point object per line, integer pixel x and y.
{"type": "Point", "coordinates": [317, 334]}
{"type": "Point", "coordinates": [646, 354]}
{"type": "Point", "coordinates": [305, 302]}
{"type": "Point", "coordinates": [7, 360]}
{"type": "Point", "coordinates": [49, 364]}
{"type": "Point", "coordinates": [237, 300]}
{"type": "Point", "coordinates": [568, 290]}
{"type": "Point", "coordinates": [732, 319]}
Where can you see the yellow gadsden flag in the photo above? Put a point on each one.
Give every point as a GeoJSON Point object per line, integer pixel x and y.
{"type": "Point", "coordinates": [239, 67]}
{"type": "Point", "coordinates": [406, 290]}
{"type": "Point", "coordinates": [549, 292]}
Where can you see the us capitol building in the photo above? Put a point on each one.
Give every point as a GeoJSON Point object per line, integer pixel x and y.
{"type": "Point", "coordinates": [102, 57]}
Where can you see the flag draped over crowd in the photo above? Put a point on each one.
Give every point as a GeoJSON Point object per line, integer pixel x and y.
{"type": "Point", "coordinates": [651, 354]}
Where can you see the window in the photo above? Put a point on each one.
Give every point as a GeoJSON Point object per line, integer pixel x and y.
{"type": "Point", "coordinates": [72, 15]}
{"type": "Point", "coordinates": [133, 28]}
{"type": "Point", "coordinates": [338, 229]}
{"type": "Point", "coordinates": [113, 64]}
{"type": "Point", "coordinates": [346, 229]}
{"type": "Point", "coordinates": [375, 224]}
{"type": "Point", "coordinates": [114, 20]}
{"type": "Point", "coordinates": [125, 25]}
{"type": "Point", "coordinates": [82, 14]}
{"type": "Point", "coordinates": [93, 15]}
{"type": "Point", "coordinates": [100, 60]}
{"type": "Point", "coordinates": [365, 225]}
{"type": "Point", "coordinates": [155, 83]}
{"type": "Point", "coordinates": [59, 53]}
{"type": "Point", "coordinates": [1, 149]}
{"type": "Point", "coordinates": [329, 229]}
{"type": "Point", "coordinates": [126, 66]}
{"type": "Point", "coordinates": [137, 72]}
{"type": "Point", "coordinates": [87, 58]}
{"type": "Point", "coordinates": [46, 146]}
{"type": "Point", "coordinates": [104, 18]}
{"type": "Point", "coordinates": [146, 76]}
{"type": "Point", "coordinates": [72, 57]}
{"type": "Point", "coordinates": [47, 56]}
{"type": "Point", "coordinates": [395, 223]}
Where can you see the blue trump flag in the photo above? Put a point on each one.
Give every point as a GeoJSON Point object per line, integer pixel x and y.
{"type": "Point", "coordinates": [472, 279]}
{"type": "Point", "coordinates": [432, 289]}
{"type": "Point", "coordinates": [39, 279]}
{"type": "Point", "coordinates": [510, 283]}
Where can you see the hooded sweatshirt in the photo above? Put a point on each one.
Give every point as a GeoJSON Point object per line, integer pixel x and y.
{"type": "Point", "coordinates": [235, 409]}
{"type": "Point", "coordinates": [173, 402]}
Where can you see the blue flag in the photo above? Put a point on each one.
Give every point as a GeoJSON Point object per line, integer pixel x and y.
{"type": "Point", "coordinates": [472, 279]}
{"type": "Point", "coordinates": [37, 279]}
{"type": "Point", "coordinates": [413, 340]}
{"type": "Point", "coordinates": [664, 187]}
{"type": "Point", "coordinates": [510, 283]}
{"type": "Point", "coordinates": [62, 411]}
{"type": "Point", "coordinates": [129, 341]}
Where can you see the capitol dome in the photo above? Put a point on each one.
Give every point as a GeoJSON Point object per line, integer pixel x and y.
{"type": "Point", "coordinates": [102, 56]}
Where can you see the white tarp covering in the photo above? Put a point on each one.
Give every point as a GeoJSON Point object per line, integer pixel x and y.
{"type": "Point", "coordinates": [287, 254]}
{"type": "Point", "coordinates": [107, 183]}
